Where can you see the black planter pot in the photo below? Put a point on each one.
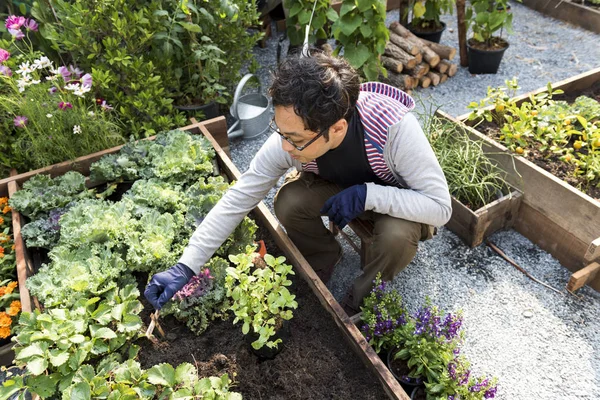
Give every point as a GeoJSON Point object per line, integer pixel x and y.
{"type": "Point", "coordinates": [210, 110]}
{"type": "Point", "coordinates": [418, 393]}
{"type": "Point", "coordinates": [484, 61]}
{"type": "Point", "coordinates": [265, 352]}
{"type": "Point", "coordinates": [431, 36]}
{"type": "Point", "coordinates": [408, 386]}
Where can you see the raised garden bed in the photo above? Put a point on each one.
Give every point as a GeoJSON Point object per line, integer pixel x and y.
{"type": "Point", "coordinates": [584, 15]}
{"type": "Point", "coordinates": [314, 355]}
{"type": "Point", "coordinates": [555, 215]}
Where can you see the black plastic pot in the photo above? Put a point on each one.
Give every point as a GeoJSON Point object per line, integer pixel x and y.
{"type": "Point", "coordinates": [265, 352]}
{"type": "Point", "coordinates": [210, 110]}
{"type": "Point", "coordinates": [431, 36]}
{"type": "Point", "coordinates": [484, 61]}
{"type": "Point", "coordinates": [408, 386]}
{"type": "Point", "coordinates": [418, 393]}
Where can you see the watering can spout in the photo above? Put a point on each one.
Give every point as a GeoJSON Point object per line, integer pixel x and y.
{"type": "Point", "coordinates": [251, 111]}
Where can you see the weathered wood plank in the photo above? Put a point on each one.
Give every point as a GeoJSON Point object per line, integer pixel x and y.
{"type": "Point", "coordinates": [351, 333]}
{"type": "Point", "coordinates": [581, 277]}
{"type": "Point", "coordinates": [576, 14]}
{"type": "Point", "coordinates": [593, 251]}
{"type": "Point", "coordinates": [22, 274]}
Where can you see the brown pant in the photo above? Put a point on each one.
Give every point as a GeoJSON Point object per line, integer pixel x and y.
{"type": "Point", "coordinates": [297, 206]}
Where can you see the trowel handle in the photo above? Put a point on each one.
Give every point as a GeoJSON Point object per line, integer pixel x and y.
{"type": "Point", "coordinates": [238, 93]}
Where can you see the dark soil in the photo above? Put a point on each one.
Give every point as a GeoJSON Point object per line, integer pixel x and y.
{"type": "Point", "coordinates": [316, 363]}
{"type": "Point", "coordinates": [495, 43]}
{"type": "Point", "coordinates": [426, 29]}
{"type": "Point", "coordinates": [548, 161]}
{"type": "Point", "coordinates": [418, 394]}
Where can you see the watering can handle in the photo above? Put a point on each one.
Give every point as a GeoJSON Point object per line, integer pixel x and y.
{"type": "Point", "coordinates": [238, 92]}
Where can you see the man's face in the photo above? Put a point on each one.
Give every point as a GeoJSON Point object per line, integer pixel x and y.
{"type": "Point", "coordinates": [291, 126]}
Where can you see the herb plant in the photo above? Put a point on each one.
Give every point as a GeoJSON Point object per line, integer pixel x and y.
{"type": "Point", "coordinates": [486, 17]}
{"type": "Point", "coordinates": [426, 13]}
{"type": "Point", "coordinates": [299, 17]}
{"type": "Point", "coordinates": [259, 294]}
{"type": "Point", "coordinates": [363, 35]}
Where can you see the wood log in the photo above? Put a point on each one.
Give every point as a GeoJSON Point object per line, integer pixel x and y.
{"type": "Point", "coordinates": [424, 81]}
{"type": "Point", "coordinates": [401, 81]}
{"type": "Point", "coordinates": [419, 58]}
{"type": "Point", "coordinates": [418, 71]}
{"type": "Point", "coordinates": [445, 52]}
{"type": "Point", "coordinates": [395, 52]}
{"type": "Point", "coordinates": [443, 78]}
{"type": "Point", "coordinates": [452, 68]}
{"type": "Point", "coordinates": [404, 44]}
{"type": "Point", "coordinates": [429, 55]}
{"type": "Point", "coordinates": [442, 67]}
{"type": "Point", "coordinates": [392, 64]}
{"type": "Point", "coordinates": [435, 78]}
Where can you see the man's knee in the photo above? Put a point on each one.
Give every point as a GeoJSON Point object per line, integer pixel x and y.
{"type": "Point", "coordinates": [289, 201]}
{"type": "Point", "coordinates": [397, 236]}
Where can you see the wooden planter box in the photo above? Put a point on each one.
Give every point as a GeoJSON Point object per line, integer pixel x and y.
{"type": "Point", "coordinates": [557, 217]}
{"type": "Point", "coordinates": [576, 14]}
{"type": "Point", "coordinates": [474, 226]}
{"type": "Point", "coordinates": [215, 130]}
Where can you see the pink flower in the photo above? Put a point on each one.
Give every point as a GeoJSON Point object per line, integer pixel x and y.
{"type": "Point", "coordinates": [4, 55]}
{"type": "Point", "coordinates": [64, 71]}
{"type": "Point", "coordinates": [75, 71]}
{"type": "Point", "coordinates": [4, 70]}
{"type": "Point", "coordinates": [105, 106]}
{"type": "Point", "coordinates": [86, 80]}
{"type": "Point", "coordinates": [52, 90]}
{"type": "Point", "coordinates": [15, 23]}
{"type": "Point", "coordinates": [17, 33]}
{"type": "Point", "coordinates": [63, 106]}
{"type": "Point", "coordinates": [31, 25]}
{"type": "Point", "coordinates": [20, 121]}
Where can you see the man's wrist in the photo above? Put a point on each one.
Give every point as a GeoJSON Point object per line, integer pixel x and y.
{"type": "Point", "coordinates": [185, 270]}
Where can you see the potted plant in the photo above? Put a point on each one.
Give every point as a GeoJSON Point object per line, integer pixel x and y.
{"type": "Point", "coordinates": [484, 50]}
{"type": "Point", "coordinates": [257, 287]}
{"type": "Point", "coordinates": [299, 16]}
{"type": "Point", "coordinates": [425, 22]}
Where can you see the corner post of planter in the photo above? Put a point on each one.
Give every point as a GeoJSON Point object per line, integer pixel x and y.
{"type": "Point", "coordinates": [462, 32]}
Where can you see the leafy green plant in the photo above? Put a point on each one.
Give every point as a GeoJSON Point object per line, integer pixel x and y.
{"type": "Point", "coordinates": [426, 13]}
{"type": "Point", "coordinates": [363, 35]}
{"type": "Point", "coordinates": [98, 36]}
{"type": "Point", "coordinates": [486, 17]}
{"type": "Point", "coordinates": [259, 294]}
{"type": "Point", "coordinates": [472, 178]}
{"type": "Point", "coordinates": [54, 344]}
{"type": "Point", "coordinates": [299, 17]}
{"type": "Point", "coordinates": [560, 131]}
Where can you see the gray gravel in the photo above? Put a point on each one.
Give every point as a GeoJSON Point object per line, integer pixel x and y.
{"type": "Point", "coordinates": [540, 344]}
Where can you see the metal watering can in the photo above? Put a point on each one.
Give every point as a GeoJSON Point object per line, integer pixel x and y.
{"type": "Point", "coordinates": [252, 112]}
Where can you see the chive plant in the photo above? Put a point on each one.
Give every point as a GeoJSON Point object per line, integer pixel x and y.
{"type": "Point", "coordinates": [472, 178]}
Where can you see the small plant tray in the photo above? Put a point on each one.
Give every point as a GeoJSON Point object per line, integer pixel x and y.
{"type": "Point", "coordinates": [556, 216]}
{"type": "Point", "coordinates": [576, 14]}
{"type": "Point", "coordinates": [474, 226]}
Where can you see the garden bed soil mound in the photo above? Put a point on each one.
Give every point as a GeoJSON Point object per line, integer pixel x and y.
{"type": "Point", "coordinates": [316, 363]}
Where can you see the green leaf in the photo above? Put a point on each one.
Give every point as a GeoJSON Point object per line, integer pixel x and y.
{"type": "Point", "coordinates": [364, 5]}
{"type": "Point", "coordinates": [346, 8]}
{"type": "Point", "coordinates": [162, 374]}
{"type": "Point", "coordinates": [419, 9]}
{"type": "Point", "coordinates": [37, 365]}
{"type": "Point", "coordinates": [81, 390]}
{"type": "Point", "coordinates": [43, 385]}
{"type": "Point", "coordinates": [186, 374]}
{"type": "Point", "coordinates": [36, 349]}
{"type": "Point", "coordinates": [332, 15]}
{"type": "Point", "coordinates": [437, 388]}
{"type": "Point", "coordinates": [296, 8]}
{"type": "Point", "coordinates": [188, 26]}
{"type": "Point", "coordinates": [58, 358]}
{"type": "Point", "coordinates": [366, 30]}
{"type": "Point", "coordinates": [357, 55]}
{"type": "Point", "coordinates": [349, 23]}
{"type": "Point", "coordinates": [104, 333]}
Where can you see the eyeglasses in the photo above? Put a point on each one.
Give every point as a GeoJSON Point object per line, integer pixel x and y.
{"type": "Point", "coordinates": [273, 126]}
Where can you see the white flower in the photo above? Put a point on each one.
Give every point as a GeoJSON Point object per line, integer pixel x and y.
{"type": "Point", "coordinates": [35, 82]}
{"type": "Point", "coordinates": [72, 86]}
{"type": "Point", "coordinates": [81, 91]}
{"type": "Point", "coordinates": [76, 129]}
{"type": "Point", "coordinates": [49, 115]}
{"type": "Point", "coordinates": [25, 68]}
{"type": "Point", "coordinates": [42, 62]}
{"type": "Point", "coordinates": [91, 113]}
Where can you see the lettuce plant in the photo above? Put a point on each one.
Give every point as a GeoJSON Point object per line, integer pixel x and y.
{"type": "Point", "coordinates": [259, 294]}
{"type": "Point", "coordinates": [54, 344]}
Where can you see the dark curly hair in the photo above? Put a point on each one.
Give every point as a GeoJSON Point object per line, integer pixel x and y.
{"type": "Point", "coordinates": [322, 89]}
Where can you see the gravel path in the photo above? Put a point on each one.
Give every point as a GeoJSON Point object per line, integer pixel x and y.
{"type": "Point", "coordinates": [541, 345]}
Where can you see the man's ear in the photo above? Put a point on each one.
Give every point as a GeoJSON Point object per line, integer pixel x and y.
{"type": "Point", "coordinates": [338, 129]}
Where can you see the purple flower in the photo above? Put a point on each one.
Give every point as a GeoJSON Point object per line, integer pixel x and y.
{"type": "Point", "coordinates": [18, 35]}
{"type": "Point", "coordinates": [52, 90]}
{"type": "Point", "coordinates": [64, 71]}
{"type": "Point", "coordinates": [4, 70]}
{"type": "Point", "coordinates": [86, 80]}
{"type": "Point", "coordinates": [4, 55]}
{"type": "Point", "coordinates": [76, 72]}
{"type": "Point", "coordinates": [31, 25]}
{"type": "Point", "coordinates": [450, 397]}
{"type": "Point", "coordinates": [105, 106]}
{"type": "Point", "coordinates": [14, 23]}
{"type": "Point", "coordinates": [452, 370]}
{"type": "Point", "coordinates": [465, 378]}
{"type": "Point", "coordinates": [20, 121]}
{"type": "Point", "coordinates": [490, 393]}
{"type": "Point", "coordinates": [63, 106]}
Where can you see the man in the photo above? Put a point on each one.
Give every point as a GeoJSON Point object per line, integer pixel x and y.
{"type": "Point", "coordinates": [359, 153]}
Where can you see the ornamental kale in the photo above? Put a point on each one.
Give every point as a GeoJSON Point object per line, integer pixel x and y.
{"type": "Point", "coordinates": [149, 242]}
{"type": "Point", "coordinates": [162, 196]}
{"type": "Point", "coordinates": [45, 232]}
{"type": "Point", "coordinates": [40, 194]}
{"type": "Point", "coordinates": [202, 299]}
{"type": "Point", "coordinates": [382, 313]}
{"type": "Point", "coordinates": [130, 163]}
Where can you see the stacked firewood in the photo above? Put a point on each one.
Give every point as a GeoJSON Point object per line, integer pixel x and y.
{"type": "Point", "coordinates": [411, 61]}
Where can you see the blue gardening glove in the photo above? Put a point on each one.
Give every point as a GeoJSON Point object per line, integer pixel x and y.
{"type": "Point", "coordinates": [346, 205]}
{"type": "Point", "coordinates": [165, 284]}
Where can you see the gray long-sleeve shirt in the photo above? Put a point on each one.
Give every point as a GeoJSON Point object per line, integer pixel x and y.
{"type": "Point", "coordinates": [424, 198]}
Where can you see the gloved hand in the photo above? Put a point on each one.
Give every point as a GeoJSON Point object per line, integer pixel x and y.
{"type": "Point", "coordinates": [165, 284]}
{"type": "Point", "coordinates": [346, 205]}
